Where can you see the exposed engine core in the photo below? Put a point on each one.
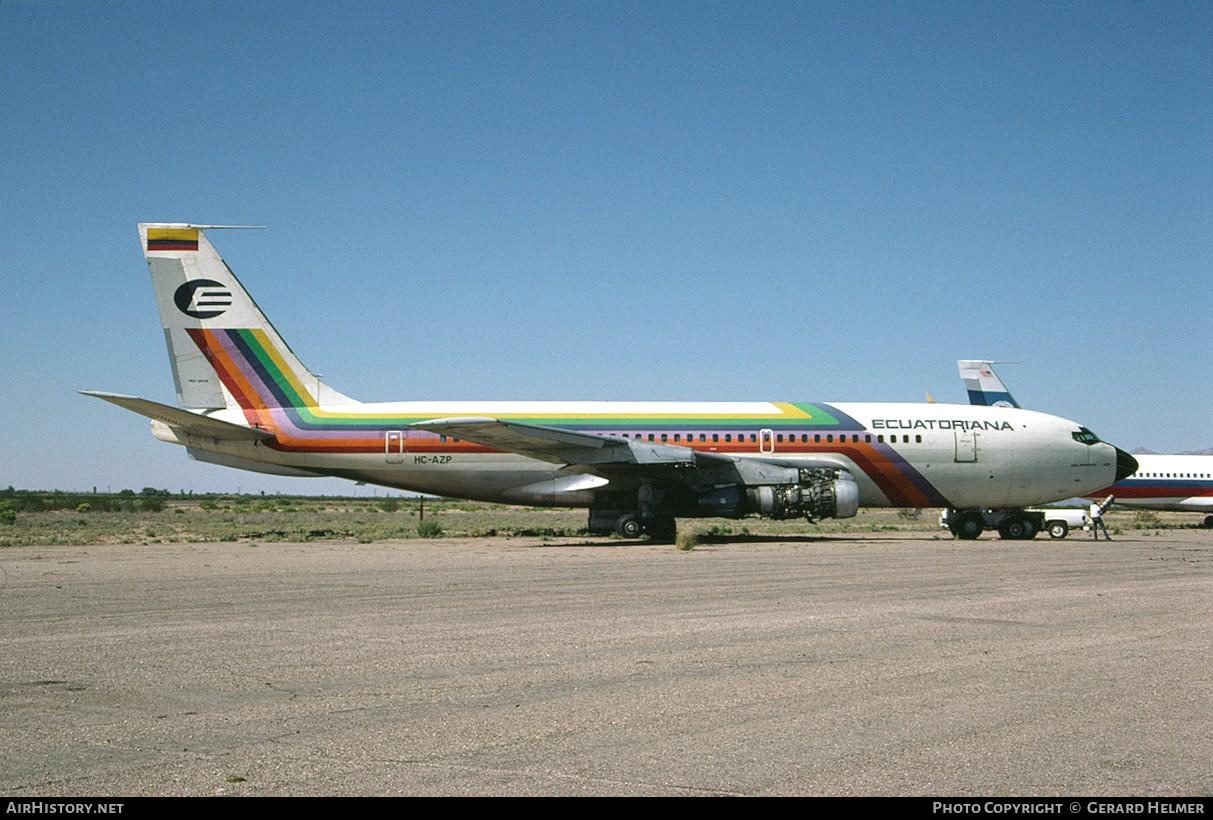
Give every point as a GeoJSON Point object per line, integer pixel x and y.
{"type": "Point", "coordinates": [821, 492]}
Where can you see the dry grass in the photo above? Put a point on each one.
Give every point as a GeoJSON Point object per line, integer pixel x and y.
{"type": "Point", "coordinates": [274, 518]}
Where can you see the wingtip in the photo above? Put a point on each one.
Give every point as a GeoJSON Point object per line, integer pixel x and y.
{"type": "Point", "coordinates": [104, 394]}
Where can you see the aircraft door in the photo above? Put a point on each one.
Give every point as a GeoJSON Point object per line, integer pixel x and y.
{"type": "Point", "coordinates": [766, 441]}
{"type": "Point", "coordinates": [393, 446]}
{"type": "Point", "coordinates": [966, 445]}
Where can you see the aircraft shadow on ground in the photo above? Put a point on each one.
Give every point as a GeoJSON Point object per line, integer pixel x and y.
{"type": "Point", "coordinates": [704, 540]}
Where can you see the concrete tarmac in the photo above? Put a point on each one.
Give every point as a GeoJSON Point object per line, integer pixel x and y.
{"type": "Point", "coordinates": [864, 665]}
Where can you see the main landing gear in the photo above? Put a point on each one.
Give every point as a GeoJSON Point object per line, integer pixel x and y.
{"type": "Point", "coordinates": [631, 525]}
{"type": "Point", "coordinates": [1013, 524]}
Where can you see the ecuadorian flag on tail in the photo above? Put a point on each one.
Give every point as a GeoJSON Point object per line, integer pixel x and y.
{"type": "Point", "coordinates": [172, 239]}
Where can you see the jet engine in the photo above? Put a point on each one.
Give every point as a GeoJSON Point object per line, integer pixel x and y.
{"type": "Point", "coordinates": [820, 492]}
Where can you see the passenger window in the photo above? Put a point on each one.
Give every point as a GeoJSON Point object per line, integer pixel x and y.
{"type": "Point", "coordinates": [650, 436]}
{"type": "Point", "coordinates": [677, 437]}
{"type": "Point", "coordinates": [665, 437]}
{"type": "Point", "coordinates": [880, 439]}
{"type": "Point", "coordinates": [830, 437]}
{"type": "Point", "coordinates": [867, 439]}
{"type": "Point", "coordinates": [918, 439]}
{"type": "Point", "coordinates": [715, 436]}
{"type": "Point", "coordinates": [728, 436]}
{"type": "Point", "coordinates": [817, 438]}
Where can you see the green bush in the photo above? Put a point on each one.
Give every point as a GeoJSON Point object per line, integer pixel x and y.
{"type": "Point", "coordinates": [429, 529]}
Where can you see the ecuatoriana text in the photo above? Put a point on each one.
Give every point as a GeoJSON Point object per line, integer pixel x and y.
{"type": "Point", "coordinates": [939, 424]}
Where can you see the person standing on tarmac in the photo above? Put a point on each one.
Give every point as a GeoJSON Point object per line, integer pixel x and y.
{"type": "Point", "coordinates": [1095, 513]}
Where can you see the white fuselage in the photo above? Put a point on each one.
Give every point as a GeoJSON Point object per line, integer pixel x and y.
{"type": "Point", "coordinates": [914, 455]}
{"type": "Point", "coordinates": [1162, 482]}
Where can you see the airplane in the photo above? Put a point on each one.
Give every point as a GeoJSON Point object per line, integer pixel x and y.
{"type": "Point", "coordinates": [246, 401]}
{"type": "Point", "coordinates": [1180, 483]}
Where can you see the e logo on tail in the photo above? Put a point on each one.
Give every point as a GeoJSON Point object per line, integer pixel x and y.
{"type": "Point", "coordinates": [203, 298]}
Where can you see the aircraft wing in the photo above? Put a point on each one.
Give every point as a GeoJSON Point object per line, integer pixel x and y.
{"type": "Point", "coordinates": [556, 445]}
{"type": "Point", "coordinates": [611, 457]}
{"type": "Point", "coordinates": [193, 423]}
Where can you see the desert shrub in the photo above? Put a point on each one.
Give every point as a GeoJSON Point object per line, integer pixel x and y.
{"type": "Point", "coordinates": [429, 529]}
{"type": "Point", "coordinates": [687, 540]}
{"type": "Point", "coordinates": [1146, 518]}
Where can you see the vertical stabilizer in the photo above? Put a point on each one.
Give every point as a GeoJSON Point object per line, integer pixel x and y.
{"type": "Point", "coordinates": [218, 339]}
{"type": "Point", "coordinates": [983, 385]}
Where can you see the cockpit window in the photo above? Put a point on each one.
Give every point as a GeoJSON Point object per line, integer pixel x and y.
{"type": "Point", "coordinates": [1085, 436]}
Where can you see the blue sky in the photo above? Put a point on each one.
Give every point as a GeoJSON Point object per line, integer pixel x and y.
{"type": "Point", "coordinates": [786, 201]}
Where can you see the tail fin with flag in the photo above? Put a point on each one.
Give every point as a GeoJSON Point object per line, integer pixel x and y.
{"type": "Point", "coordinates": [983, 385]}
{"type": "Point", "coordinates": [223, 350]}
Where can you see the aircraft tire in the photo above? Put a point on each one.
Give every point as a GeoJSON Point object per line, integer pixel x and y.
{"type": "Point", "coordinates": [1018, 529]}
{"type": "Point", "coordinates": [628, 526]}
{"type": "Point", "coordinates": [1209, 522]}
{"type": "Point", "coordinates": [968, 526]}
{"type": "Point", "coordinates": [1058, 529]}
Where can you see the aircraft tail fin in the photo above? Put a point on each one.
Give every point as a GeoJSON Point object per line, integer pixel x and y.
{"type": "Point", "coordinates": [223, 350]}
{"type": "Point", "coordinates": [983, 385]}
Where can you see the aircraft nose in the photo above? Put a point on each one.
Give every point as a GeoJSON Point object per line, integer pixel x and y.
{"type": "Point", "coordinates": [1126, 465]}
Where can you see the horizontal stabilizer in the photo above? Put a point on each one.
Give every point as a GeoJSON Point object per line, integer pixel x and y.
{"type": "Point", "coordinates": [192, 423]}
{"type": "Point", "coordinates": [225, 460]}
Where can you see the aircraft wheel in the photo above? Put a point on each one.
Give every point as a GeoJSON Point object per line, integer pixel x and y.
{"type": "Point", "coordinates": [968, 526]}
{"type": "Point", "coordinates": [1209, 522]}
{"type": "Point", "coordinates": [1012, 531]}
{"type": "Point", "coordinates": [1018, 529]}
{"type": "Point", "coordinates": [1058, 529]}
{"type": "Point", "coordinates": [628, 526]}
